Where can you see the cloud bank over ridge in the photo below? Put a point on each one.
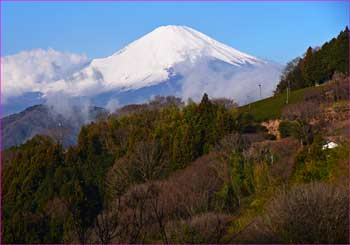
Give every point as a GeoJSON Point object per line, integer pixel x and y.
{"type": "Point", "coordinates": [35, 70]}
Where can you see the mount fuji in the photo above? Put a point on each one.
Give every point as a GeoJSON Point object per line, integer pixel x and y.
{"type": "Point", "coordinates": [170, 60]}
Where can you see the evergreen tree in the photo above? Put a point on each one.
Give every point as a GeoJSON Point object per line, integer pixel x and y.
{"type": "Point", "coordinates": [318, 65]}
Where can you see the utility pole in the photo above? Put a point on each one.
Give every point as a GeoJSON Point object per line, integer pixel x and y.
{"type": "Point", "coordinates": [288, 92]}
{"type": "Point", "coordinates": [60, 133]}
{"type": "Point", "coordinates": [260, 91]}
{"type": "Point", "coordinates": [248, 99]}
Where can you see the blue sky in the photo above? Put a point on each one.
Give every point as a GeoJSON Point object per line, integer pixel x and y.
{"type": "Point", "coordinates": [277, 31]}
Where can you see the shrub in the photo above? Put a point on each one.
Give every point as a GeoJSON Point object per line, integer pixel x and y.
{"type": "Point", "coordinates": [286, 128]}
{"type": "Point", "coordinates": [314, 163]}
{"type": "Point", "coordinates": [310, 213]}
{"type": "Point", "coordinates": [299, 129]}
{"type": "Point", "coordinates": [204, 228]}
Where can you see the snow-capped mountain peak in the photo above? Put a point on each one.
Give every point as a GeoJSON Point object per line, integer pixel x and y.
{"type": "Point", "coordinates": [173, 43]}
{"type": "Point", "coordinates": [170, 60]}
{"type": "Point", "coordinates": [147, 60]}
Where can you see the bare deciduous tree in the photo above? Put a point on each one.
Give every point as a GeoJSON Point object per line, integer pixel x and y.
{"type": "Point", "coordinates": [225, 102]}
{"type": "Point", "coordinates": [109, 225]}
{"type": "Point", "coordinates": [303, 111]}
{"type": "Point", "coordinates": [148, 160]}
{"type": "Point", "coordinates": [318, 208]}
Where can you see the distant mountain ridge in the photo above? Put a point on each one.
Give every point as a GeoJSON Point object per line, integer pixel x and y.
{"type": "Point", "coordinates": [41, 119]}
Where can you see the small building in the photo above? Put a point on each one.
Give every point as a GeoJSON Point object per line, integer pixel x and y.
{"type": "Point", "coordinates": [329, 145]}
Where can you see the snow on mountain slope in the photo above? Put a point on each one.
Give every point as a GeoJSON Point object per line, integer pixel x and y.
{"type": "Point", "coordinates": [160, 50]}
{"type": "Point", "coordinates": [170, 60]}
{"type": "Point", "coordinates": [151, 60]}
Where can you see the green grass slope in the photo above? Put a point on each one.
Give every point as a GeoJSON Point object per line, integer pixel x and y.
{"type": "Point", "coordinates": [271, 108]}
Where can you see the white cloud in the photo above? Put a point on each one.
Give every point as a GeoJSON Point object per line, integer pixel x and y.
{"type": "Point", "coordinates": [35, 70]}
{"type": "Point", "coordinates": [217, 79]}
{"type": "Point", "coordinates": [112, 105]}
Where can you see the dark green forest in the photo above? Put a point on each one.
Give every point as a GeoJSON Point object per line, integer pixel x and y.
{"type": "Point", "coordinates": [318, 65]}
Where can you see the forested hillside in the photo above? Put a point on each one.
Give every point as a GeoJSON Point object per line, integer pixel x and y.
{"type": "Point", "coordinates": [318, 65]}
{"type": "Point", "coordinates": [166, 172]}
{"type": "Point", "coordinates": [39, 179]}
{"type": "Point", "coordinates": [42, 119]}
